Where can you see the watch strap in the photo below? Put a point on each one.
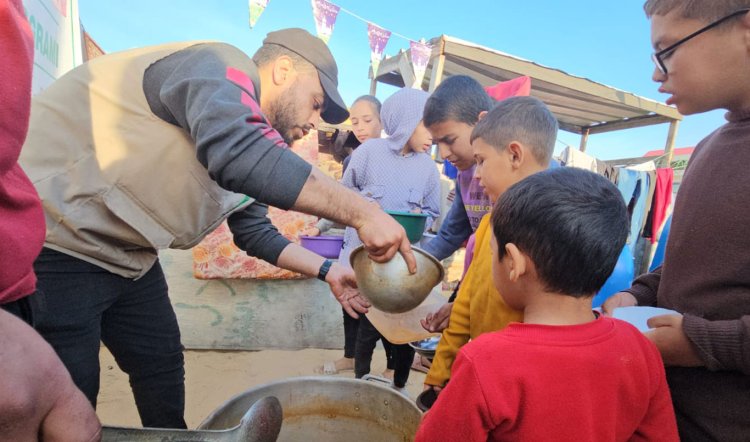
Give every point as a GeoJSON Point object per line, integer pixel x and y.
{"type": "Point", "coordinates": [324, 268]}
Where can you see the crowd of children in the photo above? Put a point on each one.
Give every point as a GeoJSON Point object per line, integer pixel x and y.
{"type": "Point", "coordinates": [518, 379]}
{"type": "Point", "coordinates": [522, 355]}
{"type": "Point", "coordinates": [565, 373]}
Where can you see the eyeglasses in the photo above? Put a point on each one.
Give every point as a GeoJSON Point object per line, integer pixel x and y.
{"type": "Point", "coordinates": [659, 57]}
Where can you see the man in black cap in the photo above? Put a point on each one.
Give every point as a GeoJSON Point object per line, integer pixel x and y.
{"type": "Point", "coordinates": [152, 148]}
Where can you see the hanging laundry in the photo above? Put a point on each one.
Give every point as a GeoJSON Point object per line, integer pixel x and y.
{"type": "Point", "coordinates": [572, 157]}
{"type": "Point", "coordinates": [650, 189]}
{"type": "Point", "coordinates": [633, 186]}
{"type": "Point", "coordinates": [604, 169]}
{"type": "Point", "coordinates": [661, 203]}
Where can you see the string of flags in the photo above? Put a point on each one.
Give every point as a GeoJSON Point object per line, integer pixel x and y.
{"type": "Point", "coordinates": [378, 39]}
{"type": "Point", "coordinates": [256, 8]}
{"type": "Point", "coordinates": [325, 14]}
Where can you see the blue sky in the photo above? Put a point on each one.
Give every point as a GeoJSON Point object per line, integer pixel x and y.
{"type": "Point", "coordinates": [609, 45]}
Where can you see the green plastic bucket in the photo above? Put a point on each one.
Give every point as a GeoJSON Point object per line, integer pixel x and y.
{"type": "Point", "coordinates": [413, 223]}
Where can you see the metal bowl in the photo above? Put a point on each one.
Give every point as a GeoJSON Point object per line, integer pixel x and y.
{"type": "Point", "coordinates": [389, 286]}
{"type": "Point", "coordinates": [426, 347]}
{"type": "Point", "coordinates": [426, 399]}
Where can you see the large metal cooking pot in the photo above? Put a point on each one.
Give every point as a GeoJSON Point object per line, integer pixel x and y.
{"type": "Point", "coordinates": [260, 423]}
{"type": "Point", "coordinates": [328, 409]}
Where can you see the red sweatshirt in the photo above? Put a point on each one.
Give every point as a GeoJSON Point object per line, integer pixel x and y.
{"type": "Point", "coordinates": [21, 217]}
{"type": "Point", "coordinates": [599, 381]}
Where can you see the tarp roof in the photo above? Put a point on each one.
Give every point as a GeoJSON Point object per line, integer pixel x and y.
{"type": "Point", "coordinates": [581, 105]}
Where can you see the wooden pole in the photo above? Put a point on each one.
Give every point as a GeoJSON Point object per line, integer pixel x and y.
{"type": "Point", "coordinates": [584, 140]}
{"type": "Point", "coordinates": [437, 72]}
{"type": "Point", "coordinates": [669, 148]}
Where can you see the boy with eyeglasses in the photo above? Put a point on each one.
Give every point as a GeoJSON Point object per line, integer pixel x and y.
{"type": "Point", "coordinates": [703, 62]}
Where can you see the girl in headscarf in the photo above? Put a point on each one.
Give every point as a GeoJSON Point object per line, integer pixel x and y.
{"type": "Point", "coordinates": [397, 173]}
{"type": "Point", "coordinates": [365, 118]}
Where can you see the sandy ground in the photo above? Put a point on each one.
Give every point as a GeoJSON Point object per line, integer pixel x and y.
{"type": "Point", "coordinates": [212, 377]}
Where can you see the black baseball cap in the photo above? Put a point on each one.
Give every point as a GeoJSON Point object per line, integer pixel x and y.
{"type": "Point", "coordinates": [315, 51]}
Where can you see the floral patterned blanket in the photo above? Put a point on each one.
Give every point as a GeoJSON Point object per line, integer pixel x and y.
{"type": "Point", "coordinates": [217, 257]}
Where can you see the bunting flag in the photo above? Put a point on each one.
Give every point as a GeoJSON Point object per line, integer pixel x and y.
{"type": "Point", "coordinates": [256, 8]}
{"type": "Point", "coordinates": [325, 14]}
{"type": "Point", "coordinates": [378, 39]}
{"type": "Point", "coordinates": [420, 56]}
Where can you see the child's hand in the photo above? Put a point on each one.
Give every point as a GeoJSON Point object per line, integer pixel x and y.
{"type": "Point", "coordinates": [674, 346]}
{"type": "Point", "coordinates": [619, 299]}
{"type": "Point", "coordinates": [438, 320]}
{"type": "Point", "coordinates": [437, 388]}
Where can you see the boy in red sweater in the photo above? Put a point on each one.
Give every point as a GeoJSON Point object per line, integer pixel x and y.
{"type": "Point", "coordinates": [566, 373]}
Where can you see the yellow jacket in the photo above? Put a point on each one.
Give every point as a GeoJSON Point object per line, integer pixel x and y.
{"type": "Point", "coordinates": [478, 308]}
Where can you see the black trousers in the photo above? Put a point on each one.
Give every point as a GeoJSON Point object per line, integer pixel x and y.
{"type": "Point", "coordinates": [401, 355]}
{"type": "Point", "coordinates": [80, 304]}
{"type": "Point", "coordinates": [351, 326]}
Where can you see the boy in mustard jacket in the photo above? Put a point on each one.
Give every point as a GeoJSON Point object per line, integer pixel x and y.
{"type": "Point", "coordinates": [516, 142]}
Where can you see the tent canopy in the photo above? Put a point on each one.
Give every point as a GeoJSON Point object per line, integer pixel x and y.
{"type": "Point", "coordinates": [581, 105]}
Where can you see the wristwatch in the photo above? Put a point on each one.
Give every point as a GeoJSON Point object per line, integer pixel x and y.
{"type": "Point", "coordinates": [324, 268]}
